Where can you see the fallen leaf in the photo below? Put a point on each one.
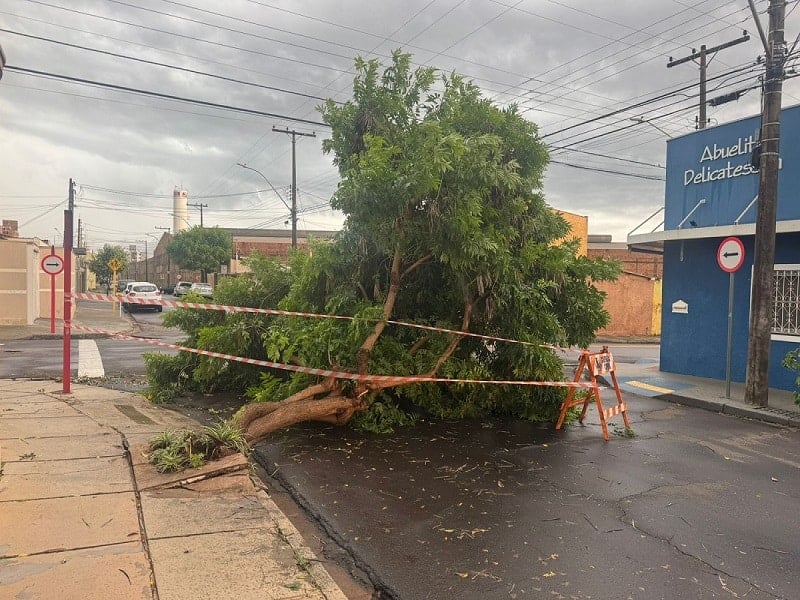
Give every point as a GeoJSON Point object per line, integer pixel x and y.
{"type": "Point", "coordinates": [463, 575]}
{"type": "Point", "coordinates": [549, 574]}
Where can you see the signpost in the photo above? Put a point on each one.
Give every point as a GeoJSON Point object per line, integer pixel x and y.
{"type": "Point", "coordinates": [730, 258]}
{"type": "Point", "coordinates": [52, 264]}
{"type": "Point", "coordinates": [115, 265]}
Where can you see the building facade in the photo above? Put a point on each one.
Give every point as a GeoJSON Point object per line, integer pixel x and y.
{"type": "Point", "coordinates": [275, 243]}
{"type": "Point", "coordinates": [711, 195]}
{"type": "Point", "coordinates": [634, 300]}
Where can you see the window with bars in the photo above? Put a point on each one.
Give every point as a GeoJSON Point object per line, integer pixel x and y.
{"type": "Point", "coordinates": [786, 314]}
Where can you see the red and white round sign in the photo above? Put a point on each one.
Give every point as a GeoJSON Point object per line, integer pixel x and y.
{"type": "Point", "coordinates": [730, 254]}
{"type": "Point", "coordinates": [52, 264]}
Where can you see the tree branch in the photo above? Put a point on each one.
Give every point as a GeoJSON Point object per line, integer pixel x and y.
{"type": "Point", "coordinates": [419, 263]}
{"type": "Point", "coordinates": [388, 308]}
{"type": "Point", "coordinates": [456, 340]}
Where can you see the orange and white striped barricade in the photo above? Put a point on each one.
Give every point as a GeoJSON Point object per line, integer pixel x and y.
{"type": "Point", "coordinates": [600, 363]}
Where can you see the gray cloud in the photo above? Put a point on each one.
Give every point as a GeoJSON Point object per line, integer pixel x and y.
{"type": "Point", "coordinates": [562, 61]}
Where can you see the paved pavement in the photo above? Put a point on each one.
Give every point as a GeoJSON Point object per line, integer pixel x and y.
{"type": "Point", "coordinates": [83, 515]}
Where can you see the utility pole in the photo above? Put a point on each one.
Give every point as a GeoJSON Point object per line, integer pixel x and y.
{"type": "Point", "coordinates": [79, 270]}
{"type": "Point", "coordinates": [200, 206]}
{"type": "Point", "coordinates": [294, 135]}
{"type": "Point", "coordinates": [703, 56]}
{"type": "Point", "coordinates": [761, 320]}
{"type": "Point", "coordinates": [66, 373]}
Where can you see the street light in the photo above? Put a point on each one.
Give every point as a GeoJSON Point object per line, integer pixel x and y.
{"type": "Point", "coordinates": [641, 120]}
{"type": "Point", "coordinates": [292, 208]}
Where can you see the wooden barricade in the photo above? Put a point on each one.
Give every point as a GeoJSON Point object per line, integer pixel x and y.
{"type": "Point", "coordinates": [600, 363]}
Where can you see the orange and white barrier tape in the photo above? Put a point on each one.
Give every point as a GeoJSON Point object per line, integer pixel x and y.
{"type": "Point", "coordinates": [289, 313]}
{"type": "Point", "coordinates": [396, 379]}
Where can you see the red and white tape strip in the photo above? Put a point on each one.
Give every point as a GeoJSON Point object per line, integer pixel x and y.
{"type": "Point", "coordinates": [396, 379]}
{"type": "Point", "coordinates": [289, 313]}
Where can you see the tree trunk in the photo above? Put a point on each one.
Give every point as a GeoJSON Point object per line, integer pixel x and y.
{"type": "Point", "coordinates": [335, 408]}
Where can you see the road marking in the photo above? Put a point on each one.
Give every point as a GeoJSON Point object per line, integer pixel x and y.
{"type": "Point", "coordinates": [90, 364]}
{"type": "Point", "coordinates": [647, 386]}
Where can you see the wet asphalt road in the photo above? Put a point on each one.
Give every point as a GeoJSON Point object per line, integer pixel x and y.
{"type": "Point", "coordinates": [696, 505]}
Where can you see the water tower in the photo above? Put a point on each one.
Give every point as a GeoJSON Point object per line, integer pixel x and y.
{"type": "Point", "coordinates": [180, 210]}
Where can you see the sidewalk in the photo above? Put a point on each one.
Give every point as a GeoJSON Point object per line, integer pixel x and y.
{"type": "Point", "coordinates": [83, 516]}
{"type": "Point", "coordinates": [90, 314]}
{"type": "Point", "coordinates": [645, 378]}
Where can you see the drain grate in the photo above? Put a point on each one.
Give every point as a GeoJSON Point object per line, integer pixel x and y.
{"type": "Point", "coordinates": [134, 415]}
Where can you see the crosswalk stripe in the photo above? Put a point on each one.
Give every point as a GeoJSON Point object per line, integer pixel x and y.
{"type": "Point", "coordinates": [648, 386]}
{"type": "Point", "coordinates": [90, 364]}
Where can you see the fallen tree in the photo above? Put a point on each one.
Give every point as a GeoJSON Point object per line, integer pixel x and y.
{"type": "Point", "coordinates": [446, 226]}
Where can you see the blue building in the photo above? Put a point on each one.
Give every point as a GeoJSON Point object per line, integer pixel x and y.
{"type": "Point", "coordinates": [711, 195]}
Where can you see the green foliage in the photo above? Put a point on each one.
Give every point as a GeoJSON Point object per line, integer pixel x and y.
{"type": "Point", "coordinates": [173, 450]}
{"type": "Point", "coordinates": [201, 248]}
{"type": "Point", "coordinates": [239, 334]}
{"type": "Point", "coordinates": [382, 417]}
{"type": "Point", "coordinates": [226, 434]}
{"type": "Point", "coordinates": [99, 263]}
{"type": "Point", "coordinates": [447, 188]}
{"type": "Point", "coordinates": [168, 376]}
{"type": "Point", "coordinates": [792, 361]}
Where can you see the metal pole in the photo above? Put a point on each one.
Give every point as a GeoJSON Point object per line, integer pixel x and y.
{"type": "Point", "coordinates": [703, 66]}
{"type": "Point", "coordinates": [67, 359]}
{"type": "Point", "coordinates": [730, 339]}
{"type": "Point", "coordinates": [146, 272]}
{"type": "Point", "coordinates": [52, 296]}
{"type": "Point", "coordinates": [294, 194]}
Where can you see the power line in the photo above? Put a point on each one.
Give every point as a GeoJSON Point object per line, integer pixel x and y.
{"type": "Point", "coordinates": [620, 158]}
{"type": "Point", "coordinates": [161, 64]}
{"type": "Point", "coordinates": [122, 88]}
{"type": "Point", "coordinates": [609, 171]}
{"type": "Point", "coordinates": [184, 36]}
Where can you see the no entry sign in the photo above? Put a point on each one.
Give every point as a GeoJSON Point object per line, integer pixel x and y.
{"type": "Point", "coordinates": [730, 254]}
{"type": "Point", "coordinates": [52, 264]}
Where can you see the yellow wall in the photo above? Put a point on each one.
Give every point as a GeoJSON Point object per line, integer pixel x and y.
{"type": "Point", "coordinates": [580, 229]}
{"type": "Point", "coordinates": [656, 325]}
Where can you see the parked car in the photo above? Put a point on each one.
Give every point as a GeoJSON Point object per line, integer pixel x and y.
{"type": "Point", "coordinates": [141, 289]}
{"type": "Point", "coordinates": [168, 289]}
{"type": "Point", "coordinates": [181, 288]}
{"type": "Point", "coordinates": [122, 284]}
{"type": "Point", "coordinates": [204, 289]}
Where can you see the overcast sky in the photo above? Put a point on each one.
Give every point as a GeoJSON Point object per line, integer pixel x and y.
{"type": "Point", "coordinates": [563, 62]}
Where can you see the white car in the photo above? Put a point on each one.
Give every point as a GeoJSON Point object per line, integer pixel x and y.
{"type": "Point", "coordinates": [181, 288]}
{"type": "Point", "coordinates": [141, 289]}
{"type": "Point", "coordinates": [204, 289]}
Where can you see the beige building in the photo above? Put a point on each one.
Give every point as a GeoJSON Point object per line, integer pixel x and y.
{"type": "Point", "coordinates": [24, 288]}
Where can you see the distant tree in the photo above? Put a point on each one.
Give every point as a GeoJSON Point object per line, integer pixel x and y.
{"type": "Point", "coordinates": [99, 264]}
{"type": "Point", "coordinates": [201, 249]}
